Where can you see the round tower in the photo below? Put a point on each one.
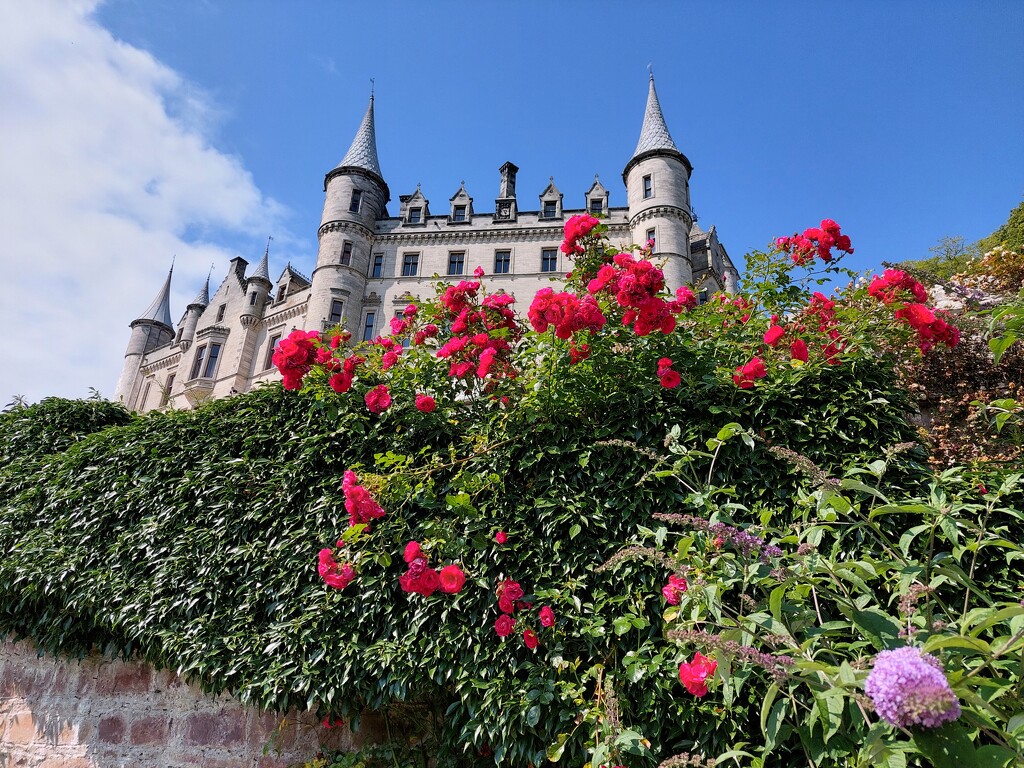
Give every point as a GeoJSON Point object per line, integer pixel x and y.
{"type": "Point", "coordinates": [193, 312]}
{"type": "Point", "coordinates": [355, 197]}
{"type": "Point", "coordinates": [257, 289]}
{"type": "Point", "coordinates": [152, 329]}
{"type": "Point", "coordinates": [657, 180]}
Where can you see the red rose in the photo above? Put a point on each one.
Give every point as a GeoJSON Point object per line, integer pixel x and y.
{"type": "Point", "coordinates": [505, 605]}
{"type": "Point", "coordinates": [773, 335]}
{"type": "Point", "coordinates": [670, 380]}
{"type": "Point", "coordinates": [425, 403]}
{"type": "Point", "coordinates": [547, 616]}
{"type": "Point", "coordinates": [746, 374]}
{"type": "Point", "coordinates": [694, 674]}
{"type": "Point", "coordinates": [510, 589]}
{"type": "Point", "coordinates": [378, 399]}
{"type": "Point", "coordinates": [798, 350]}
{"type": "Point", "coordinates": [428, 582]}
{"type": "Point", "coordinates": [503, 626]}
{"type": "Point", "coordinates": [451, 579]}
{"type": "Point", "coordinates": [501, 537]}
{"type": "Point", "coordinates": [530, 639]}
{"type": "Point", "coordinates": [412, 551]}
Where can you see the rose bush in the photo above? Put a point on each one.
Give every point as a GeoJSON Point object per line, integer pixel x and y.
{"type": "Point", "coordinates": [509, 573]}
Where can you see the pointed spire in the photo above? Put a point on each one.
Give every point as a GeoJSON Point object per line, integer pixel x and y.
{"type": "Point", "coordinates": [202, 298]}
{"type": "Point", "coordinates": [263, 268]}
{"type": "Point", "coordinates": [654, 134]}
{"type": "Point", "coordinates": [363, 152]}
{"type": "Point", "coordinates": [160, 310]}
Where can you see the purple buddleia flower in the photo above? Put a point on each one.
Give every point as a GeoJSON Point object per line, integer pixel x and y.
{"type": "Point", "coordinates": [909, 688]}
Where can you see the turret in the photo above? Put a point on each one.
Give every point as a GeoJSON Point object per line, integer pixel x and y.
{"type": "Point", "coordinates": [152, 329]}
{"type": "Point", "coordinates": [257, 289]}
{"type": "Point", "coordinates": [187, 328]}
{"type": "Point", "coordinates": [657, 180]}
{"type": "Point", "coordinates": [355, 197]}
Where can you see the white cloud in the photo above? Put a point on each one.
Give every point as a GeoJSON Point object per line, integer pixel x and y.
{"type": "Point", "coordinates": [105, 165]}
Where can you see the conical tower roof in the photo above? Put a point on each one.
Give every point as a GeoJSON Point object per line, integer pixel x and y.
{"type": "Point", "coordinates": [654, 133]}
{"type": "Point", "coordinates": [363, 152]}
{"type": "Point", "coordinates": [263, 268]}
{"type": "Point", "coordinates": [202, 298]}
{"type": "Point", "coordinates": [160, 310]}
{"type": "Point", "coordinates": [654, 136]}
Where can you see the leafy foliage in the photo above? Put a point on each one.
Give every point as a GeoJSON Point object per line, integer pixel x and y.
{"type": "Point", "coordinates": [190, 539]}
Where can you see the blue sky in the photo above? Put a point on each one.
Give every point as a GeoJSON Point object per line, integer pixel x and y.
{"type": "Point", "coordinates": [195, 128]}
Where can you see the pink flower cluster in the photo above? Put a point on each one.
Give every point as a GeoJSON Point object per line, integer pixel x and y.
{"type": "Point", "coordinates": [815, 240]}
{"type": "Point", "coordinates": [635, 284]}
{"type": "Point", "coordinates": [341, 381]}
{"type": "Point", "coordinates": [482, 336]}
{"type": "Point", "coordinates": [674, 590]}
{"type": "Point", "coordinates": [576, 228]}
{"type": "Point", "coordinates": [295, 355]}
{"type": "Point", "coordinates": [566, 312]}
{"type": "Point", "coordinates": [669, 379]}
{"type": "Point", "coordinates": [896, 286]}
{"type": "Point", "coordinates": [333, 574]}
{"type": "Point", "coordinates": [510, 599]}
{"type": "Point", "coordinates": [360, 506]}
{"type": "Point", "coordinates": [424, 580]}
{"type": "Point", "coordinates": [749, 372]}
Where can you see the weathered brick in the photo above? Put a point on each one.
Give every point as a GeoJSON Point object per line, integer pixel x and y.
{"type": "Point", "coordinates": [21, 728]}
{"type": "Point", "coordinates": [202, 729]}
{"type": "Point", "coordinates": [150, 730]}
{"type": "Point", "coordinates": [111, 730]}
{"type": "Point", "coordinates": [124, 679]}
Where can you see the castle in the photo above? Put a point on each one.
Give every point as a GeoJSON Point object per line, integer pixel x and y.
{"type": "Point", "coordinates": [370, 264]}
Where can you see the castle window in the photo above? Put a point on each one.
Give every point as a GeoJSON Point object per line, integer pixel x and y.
{"type": "Point", "coordinates": [368, 326]}
{"type": "Point", "coordinates": [702, 297]}
{"type": "Point", "coordinates": [597, 206]}
{"type": "Point", "coordinates": [336, 308]}
{"type": "Point", "coordinates": [222, 307]}
{"type": "Point", "coordinates": [165, 395]}
{"type": "Point", "coordinates": [550, 209]}
{"type": "Point", "coordinates": [549, 260]}
{"type": "Point", "coordinates": [211, 361]}
{"type": "Point", "coordinates": [281, 293]}
{"type": "Point", "coordinates": [357, 198]}
{"type": "Point", "coordinates": [456, 262]}
{"type": "Point", "coordinates": [346, 253]}
{"type": "Point", "coordinates": [650, 235]}
{"type": "Point", "coordinates": [252, 302]}
{"type": "Point", "coordinates": [502, 262]}
{"type": "Point", "coordinates": [415, 215]}
{"type": "Point", "coordinates": [459, 213]}
{"type": "Point", "coordinates": [378, 265]}
{"type": "Point", "coordinates": [268, 361]}
{"type": "Point", "coordinates": [648, 187]}
{"type": "Point", "coordinates": [197, 364]}
{"type": "Point", "coordinates": [410, 263]}
{"type": "Point", "coordinates": [145, 394]}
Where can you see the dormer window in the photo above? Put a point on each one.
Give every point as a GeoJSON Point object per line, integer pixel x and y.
{"type": "Point", "coordinates": [357, 199]}
{"type": "Point", "coordinates": [550, 209]}
{"type": "Point", "coordinates": [415, 215]}
{"type": "Point", "coordinates": [596, 206]}
{"type": "Point", "coordinates": [281, 293]}
{"type": "Point", "coordinates": [459, 213]}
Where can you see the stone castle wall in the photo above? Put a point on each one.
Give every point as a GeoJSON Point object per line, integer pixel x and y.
{"type": "Point", "coordinates": [98, 713]}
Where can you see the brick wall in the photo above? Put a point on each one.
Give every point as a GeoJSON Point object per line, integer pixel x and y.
{"type": "Point", "coordinates": [99, 713]}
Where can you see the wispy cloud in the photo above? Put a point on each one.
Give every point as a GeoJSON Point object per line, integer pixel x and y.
{"type": "Point", "coordinates": [106, 172]}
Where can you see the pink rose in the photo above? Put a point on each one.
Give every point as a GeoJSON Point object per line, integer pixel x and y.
{"type": "Point", "coordinates": [773, 335]}
{"type": "Point", "coordinates": [501, 537]}
{"type": "Point", "coordinates": [673, 591]}
{"type": "Point", "coordinates": [530, 639]}
{"type": "Point", "coordinates": [694, 674]}
{"type": "Point", "coordinates": [425, 403]}
{"type": "Point", "coordinates": [547, 616]}
{"type": "Point", "coordinates": [378, 399]}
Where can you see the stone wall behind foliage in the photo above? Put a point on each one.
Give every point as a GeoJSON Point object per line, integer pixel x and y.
{"type": "Point", "coordinates": [99, 713]}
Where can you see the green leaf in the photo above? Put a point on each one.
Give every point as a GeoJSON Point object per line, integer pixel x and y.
{"type": "Point", "coordinates": [533, 715]}
{"type": "Point", "coordinates": [946, 747]}
{"type": "Point", "coordinates": [554, 751]}
{"type": "Point", "coordinates": [994, 756]}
